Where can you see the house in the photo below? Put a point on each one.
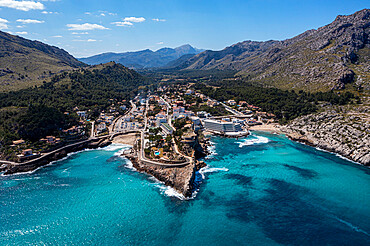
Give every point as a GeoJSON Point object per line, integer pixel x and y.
{"type": "Point", "coordinates": [27, 152]}
{"type": "Point", "coordinates": [18, 142]}
{"type": "Point", "coordinates": [231, 102]}
{"type": "Point", "coordinates": [178, 109]}
{"type": "Point", "coordinates": [189, 92]}
{"type": "Point", "coordinates": [102, 127]}
{"type": "Point", "coordinates": [242, 103]}
{"type": "Point", "coordinates": [166, 128]}
{"type": "Point", "coordinates": [161, 118]}
{"type": "Point", "coordinates": [82, 114]}
{"type": "Point", "coordinates": [50, 139]}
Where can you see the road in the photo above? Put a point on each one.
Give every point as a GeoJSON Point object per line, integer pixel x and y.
{"type": "Point", "coordinates": [142, 153]}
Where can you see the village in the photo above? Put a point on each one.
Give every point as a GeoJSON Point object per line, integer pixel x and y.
{"type": "Point", "coordinates": [173, 121]}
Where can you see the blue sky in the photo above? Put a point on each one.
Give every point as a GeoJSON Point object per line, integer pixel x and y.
{"type": "Point", "coordinates": [88, 27]}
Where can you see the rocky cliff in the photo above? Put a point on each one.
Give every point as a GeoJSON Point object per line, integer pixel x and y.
{"type": "Point", "coordinates": [179, 178]}
{"type": "Point", "coordinates": [344, 130]}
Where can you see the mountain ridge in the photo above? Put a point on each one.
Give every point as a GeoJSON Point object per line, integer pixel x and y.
{"type": "Point", "coordinates": [143, 58]}
{"type": "Point", "coordinates": [25, 63]}
{"type": "Point", "coordinates": [326, 58]}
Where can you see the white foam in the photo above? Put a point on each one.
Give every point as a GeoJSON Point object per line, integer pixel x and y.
{"type": "Point", "coordinates": [129, 164]}
{"type": "Point", "coordinates": [253, 141]}
{"type": "Point", "coordinates": [351, 226]}
{"type": "Point", "coordinates": [336, 154]}
{"type": "Point", "coordinates": [169, 191]}
{"type": "Point", "coordinates": [114, 147]}
{"type": "Point", "coordinates": [208, 169]}
{"type": "Point", "coordinates": [212, 150]}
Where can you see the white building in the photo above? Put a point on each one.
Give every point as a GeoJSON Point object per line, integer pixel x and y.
{"type": "Point", "coordinates": [82, 114]}
{"type": "Point", "coordinates": [223, 127]}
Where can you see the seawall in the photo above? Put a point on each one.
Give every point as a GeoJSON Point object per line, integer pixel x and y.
{"type": "Point", "coordinates": [54, 155]}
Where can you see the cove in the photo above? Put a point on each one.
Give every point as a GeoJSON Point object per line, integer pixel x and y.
{"type": "Point", "coordinates": [260, 190]}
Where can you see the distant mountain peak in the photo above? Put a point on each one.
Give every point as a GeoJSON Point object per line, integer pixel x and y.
{"type": "Point", "coordinates": [144, 58]}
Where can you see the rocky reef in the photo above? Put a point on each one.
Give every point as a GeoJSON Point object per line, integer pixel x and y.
{"type": "Point", "coordinates": [343, 130]}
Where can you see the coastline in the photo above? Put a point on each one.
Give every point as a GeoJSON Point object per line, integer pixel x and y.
{"type": "Point", "coordinates": [302, 139]}
{"type": "Point", "coordinates": [272, 128]}
{"type": "Point", "coordinates": [63, 152]}
{"type": "Point", "coordinates": [297, 137]}
{"type": "Point", "coordinates": [181, 179]}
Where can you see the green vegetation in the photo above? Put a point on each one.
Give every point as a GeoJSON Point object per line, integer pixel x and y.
{"type": "Point", "coordinates": [36, 112]}
{"type": "Point", "coordinates": [286, 105]}
{"type": "Point", "coordinates": [26, 63]}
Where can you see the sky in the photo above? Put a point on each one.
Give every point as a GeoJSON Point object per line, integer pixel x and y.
{"type": "Point", "coordinates": [89, 27]}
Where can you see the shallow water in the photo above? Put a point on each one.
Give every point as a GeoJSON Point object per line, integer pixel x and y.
{"type": "Point", "coordinates": [260, 190]}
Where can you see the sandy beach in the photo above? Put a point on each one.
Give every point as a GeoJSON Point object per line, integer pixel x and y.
{"type": "Point", "coordinates": [125, 139]}
{"type": "Point", "coordinates": [266, 128]}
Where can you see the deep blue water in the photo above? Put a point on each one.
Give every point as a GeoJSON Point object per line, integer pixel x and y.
{"type": "Point", "coordinates": [261, 190]}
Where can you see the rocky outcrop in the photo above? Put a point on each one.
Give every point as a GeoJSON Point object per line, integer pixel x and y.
{"type": "Point", "coordinates": [179, 178]}
{"type": "Point", "coordinates": [342, 130]}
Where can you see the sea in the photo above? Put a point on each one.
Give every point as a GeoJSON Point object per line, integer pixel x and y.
{"type": "Point", "coordinates": [263, 189]}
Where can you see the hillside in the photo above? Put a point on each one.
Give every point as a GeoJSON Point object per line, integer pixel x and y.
{"type": "Point", "coordinates": [92, 89]}
{"type": "Point", "coordinates": [25, 63]}
{"type": "Point", "coordinates": [317, 60]}
{"type": "Point", "coordinates": [144, 58]}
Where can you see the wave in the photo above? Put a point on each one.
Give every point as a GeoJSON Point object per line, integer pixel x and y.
{"type": "Point", "coordinates": [208, 169]}
{"type": "Point", "coordinates": [333, 153]}
{"type": "Point", "coordinates": [170, 192]}
{"type": "Point", "coordinates": [115, 146]}
{"type": "Point", "coordinates": [212, 150]}
{"type": "Point", "coordinates": [355, 228]}
{"type": "Point", "coordinates": [253, 141]}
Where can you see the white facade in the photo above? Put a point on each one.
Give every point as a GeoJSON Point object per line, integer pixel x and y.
{"type": "Point", "coordinates": [222, 126]}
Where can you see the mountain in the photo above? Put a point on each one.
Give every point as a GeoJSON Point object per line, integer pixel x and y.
{"type": "Point", "coordinates": [144, 58]}
{"type": "Point", "coordinates": [25, 63]}
{"type": "Point", "coordinates": [317, 60]}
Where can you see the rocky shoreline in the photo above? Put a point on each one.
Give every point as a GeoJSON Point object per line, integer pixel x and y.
{"type": "Point", "coordinates": [32, 165]}
{"type": "Point", "coordinates": [179, 178]}
{"type": "Point", "coordinates": [343, 131]}
{"type": "Point", "coordinates": [182, 179]}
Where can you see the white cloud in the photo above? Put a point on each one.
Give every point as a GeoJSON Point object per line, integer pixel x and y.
{"type": "Point", "coordinates": [21, 33]}
{"type": "Point", "coordinates": [122, 23]}
{"type": "Point", "coordinates": [20, 26]}
{"type": "Point", "coordinates": [50, 12]}
{"type": "Point", "coordinates": [29, 21]}
{"type": "Point", "coordinates": [158, 20]}
{"type": "Point", "coordinates": [128, 21]}
{"type": "Point", "coordinates": [79, 33]}
{"type": "Point", "coordinates": [85, 40]}
{"type": "Point", "coordinates": [22, 5]}
{"type": "Point", "coordinates": [85, 27]}
{"type": "Point", "coordinates": [134, 19]}
{"type": "Point", "coordinates": [57, 36]}
{"type": "Point", "coordinates": [3, 24]}
{"type": "Point", "coordinates": [160, 43]}
{"type": "Point", "coordinates": [102, 14]}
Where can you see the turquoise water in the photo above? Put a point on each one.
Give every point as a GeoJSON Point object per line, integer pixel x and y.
{"type": "Point", "coordinates": [260, 190]}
